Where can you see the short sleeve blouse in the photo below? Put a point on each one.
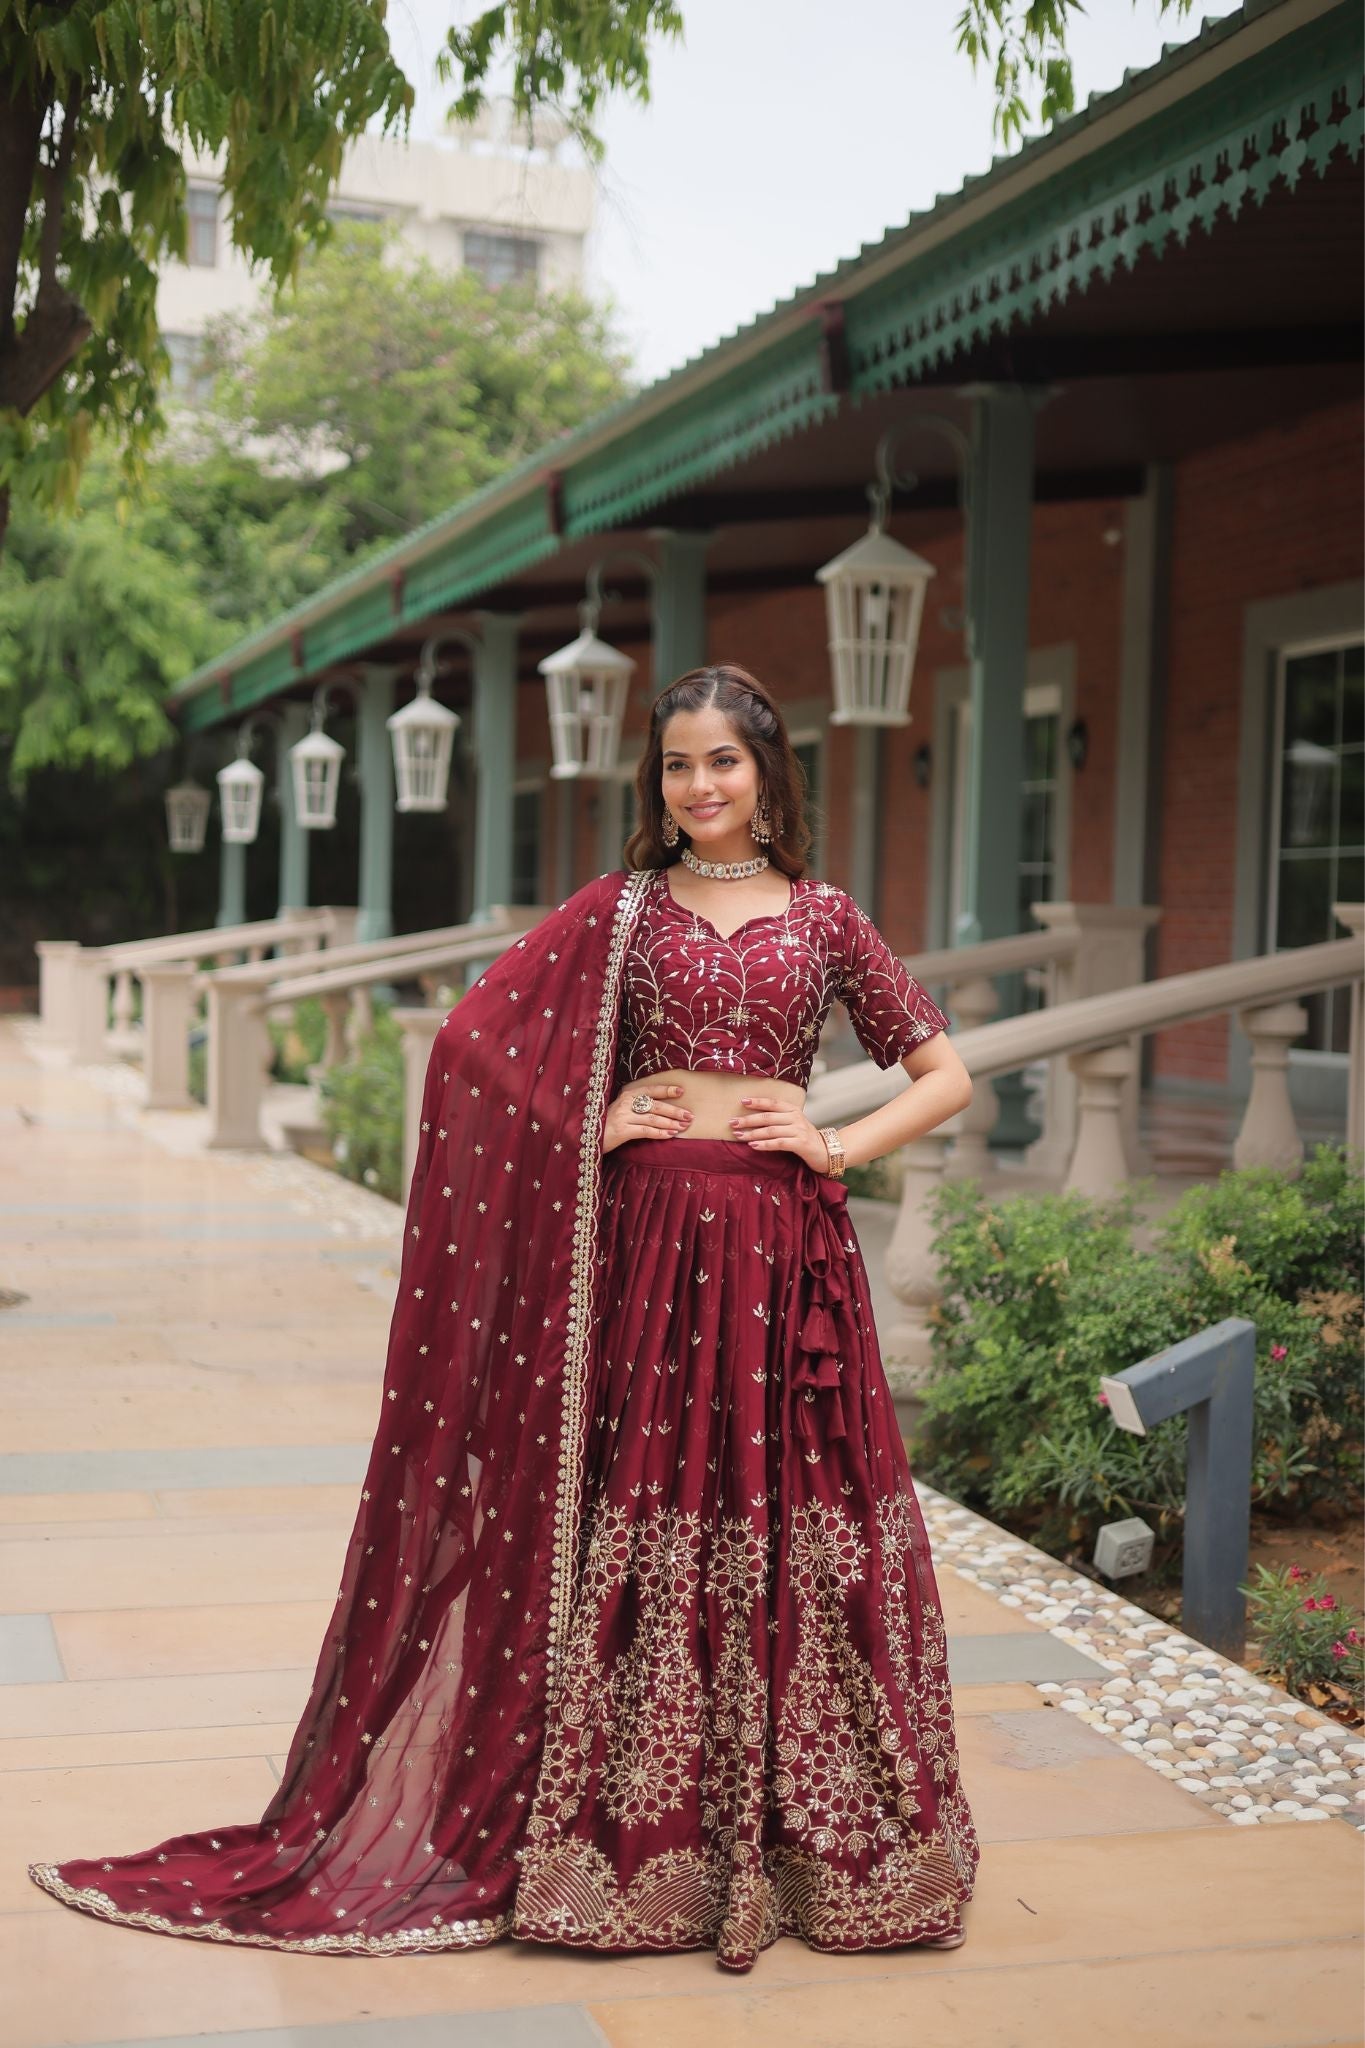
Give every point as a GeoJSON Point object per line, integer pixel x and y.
{"type": "Point", "coordinates": [755, 1003]}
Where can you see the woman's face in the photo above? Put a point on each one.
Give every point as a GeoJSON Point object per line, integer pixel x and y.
{"type": "Point", "coordinates": [710, 775]}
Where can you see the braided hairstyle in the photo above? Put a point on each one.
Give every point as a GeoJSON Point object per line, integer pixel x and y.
{"type": "Point", "coordinates": [754, 718]}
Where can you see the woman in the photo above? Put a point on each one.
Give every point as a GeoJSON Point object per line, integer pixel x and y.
{"type": "Point", "coordinates": [638, 1643]}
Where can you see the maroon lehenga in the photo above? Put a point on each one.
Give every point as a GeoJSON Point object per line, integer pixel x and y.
{"type": "Point", "coordinates": [638, 1643]}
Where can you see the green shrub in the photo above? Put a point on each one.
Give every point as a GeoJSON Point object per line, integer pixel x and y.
{"type": "Point", "coordinates": [1044, 1294]}
{"type": "Point", "coordinates": [362, 1110]}
{"type": "Point", "coordinates": [1314, 1646]}
{"type": "Point", "coordinates": [299, 1042]}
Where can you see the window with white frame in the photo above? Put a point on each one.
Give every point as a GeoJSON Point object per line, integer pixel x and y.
{"type": "Point", "coordinates": [201, 207]}
{"type": "Point", "coordinates": [1317, 852]}
{"type": "Point", "coordinates": [502, 259]}
{"type": "Point", "coordinates": [190, 381]}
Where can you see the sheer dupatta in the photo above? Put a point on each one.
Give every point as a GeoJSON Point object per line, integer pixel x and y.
{"type": "Point", "coordinates": [398, 1821]}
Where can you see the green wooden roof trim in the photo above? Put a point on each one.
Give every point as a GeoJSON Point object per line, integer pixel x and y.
{"type": "Point", "coordinates": [511, 541]}
{"type": "Point", "coordinates": [1278, 115]}
{"type": "Point", "coordinates": [754, 407]}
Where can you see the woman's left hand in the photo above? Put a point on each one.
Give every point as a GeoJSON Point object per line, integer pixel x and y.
{"type": "Point", "coordinates": [772, 1126]}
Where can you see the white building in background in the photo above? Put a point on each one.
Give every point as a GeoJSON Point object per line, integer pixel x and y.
{"type": "Point", "coordinates": [482, 201]}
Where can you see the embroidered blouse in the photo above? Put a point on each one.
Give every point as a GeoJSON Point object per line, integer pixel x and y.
{"type": "Point", "coordinates": [756, 1002]}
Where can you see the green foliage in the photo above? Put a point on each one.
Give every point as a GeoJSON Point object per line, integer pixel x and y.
{"type": "Point", "coordinates": [98, 101]}
{"type": "Point", "coordinates": [362, 1110]}
{"type": "Point", "coordinates": [1304, 1636]}
{"type": "Point", "coordinates": [299, 1043]}
{"type": "Point", "coordinates": [1042, 1295]}
{"type": "Point", "coordinates": [426, 384]}
{"type": "Point", "coordinates": [423, 384]}
{"type": "Point", "coordinates": [1024, 44]}
{"type": "Point", "coordinates": [602, 48]}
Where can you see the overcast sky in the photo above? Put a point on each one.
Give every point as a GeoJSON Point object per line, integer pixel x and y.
{"type": "Point", "coordinates": [781, 135]}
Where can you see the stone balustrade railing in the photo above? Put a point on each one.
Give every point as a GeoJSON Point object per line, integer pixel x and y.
{"type": "Point", "coordinates": [1097, 1037]}
{"type": "Point", "coordinates": [73, 980]}
{"type": "Point", "coordinates": [240, 1000]}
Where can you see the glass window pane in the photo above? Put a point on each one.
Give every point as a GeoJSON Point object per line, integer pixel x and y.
{"type": "Point", "coordinates": [1304, 910]}
{"type": "Point", "coordinates": [1353, 694]}
{"type": "Point", "coordinates": [1351, 830]}
{"type": "Point", "coordinates": [1310, 698]}
{"type": "Point", "coordinates": [1040, 747]}
{"type": "Point", "coordinates": [1350, 885]}
{"type": "Point", "coordinates": [1037, 825]}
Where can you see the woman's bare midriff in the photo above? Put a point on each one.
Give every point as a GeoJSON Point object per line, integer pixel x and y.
{"type": "Point", "coordinates": [714, 1097]}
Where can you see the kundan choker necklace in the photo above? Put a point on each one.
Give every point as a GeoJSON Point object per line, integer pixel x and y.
{"type": "Point", "coordinates": [725, 870]}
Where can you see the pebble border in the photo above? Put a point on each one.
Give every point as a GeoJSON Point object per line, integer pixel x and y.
{"type": "Point", "coordinates": [1220, 1732]}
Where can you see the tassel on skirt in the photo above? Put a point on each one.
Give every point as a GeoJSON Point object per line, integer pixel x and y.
{"type": "Point", "coordinates": [753, 1731]}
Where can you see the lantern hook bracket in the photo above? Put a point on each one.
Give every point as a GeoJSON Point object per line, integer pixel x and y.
{"type": "Point", "coordinates": [429, 660]}
{"type": "Point", "coordinates": [889, 480]}
{"type": "Point", "coordinates": [590, 610]}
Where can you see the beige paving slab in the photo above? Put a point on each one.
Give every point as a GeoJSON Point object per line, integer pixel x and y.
{"type": "Point", "coordinates": [184, 1565]}
{"type": "Point", "coordinates": [17, 1510]}
{"type": "Point", "coordinates": [113, 1705]}
{"type": "Point", "coordinates": [142, 1746]}
{"type": "Point", "coordinates": [160, 1528]}
{"type": "Point", "coordinates": [329, 1505]}
{"type": "Point", "coordinates": [115, 1809]}
{"type": "Point", "coordinates": [1032, 1776]}
{"type": "Point", "coordinates": [1097, 1899]}
{"type": "Point", "coordinates": [133, 1642]}
{"type": "Point", "coordinates": [971, 1611]}
{"type": "Point", "coordinates": [1228, 1998]}
{"type": "Point", "coordinates": [191, 1413]}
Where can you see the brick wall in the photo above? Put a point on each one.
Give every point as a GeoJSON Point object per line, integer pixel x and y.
{"type": "Point", "coordinates": [1264, 517]}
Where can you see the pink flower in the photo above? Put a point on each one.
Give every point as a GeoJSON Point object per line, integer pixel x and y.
{"type": "Point", "coordinates": [1295, 1573]}
{"type": "Point", "coordinates": [1340, 1650]}
{"type": "Point", "coordinates": [1352, 1635]}
{"type": "Point", "coordinates": [1278, 1351]}
{"type": "Point", "coordinates": [1310, 1605]}
{"type": "Point", "coordinates": [1328, 1600]}
{"type": "Point", "coordinates": [1103, 1400]}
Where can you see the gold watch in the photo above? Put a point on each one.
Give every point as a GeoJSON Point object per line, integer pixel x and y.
{"type": "Point", "coordinates": [834, 1145]}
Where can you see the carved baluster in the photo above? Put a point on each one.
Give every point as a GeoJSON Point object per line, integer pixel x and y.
{"type": "Point", "coordinates": [972, 1002]}
{"type": "Point", "coordinates": [1270, 1134]}
{"type": "Point", "coordinates": [419, 1028]}
{"type": "Point", "coordinates": [168, 998]}
{"type": "Point", "coordinates": [1099, 1163]}
{"type": "Point", "coordinates": [912, 1274]}
{"type": "Point", "coordinates": [240, 1051]}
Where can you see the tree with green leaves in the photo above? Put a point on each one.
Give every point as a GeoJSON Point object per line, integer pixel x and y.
{"type": "Point", "coordinates": [421, 383]}
{"type": "Point", "coordinates": [97, 103]}
{"type": "Point", "coordinates": [1023, 44]}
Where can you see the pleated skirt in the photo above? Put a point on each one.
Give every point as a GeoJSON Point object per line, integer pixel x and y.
{"type": "Point", "coordinates": [753, 1732]}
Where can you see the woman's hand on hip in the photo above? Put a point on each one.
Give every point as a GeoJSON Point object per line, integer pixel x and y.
{"type": "Point", "coordinates": [772, 1126]}
{"type": "Point", "coordinates": [665, 1119]}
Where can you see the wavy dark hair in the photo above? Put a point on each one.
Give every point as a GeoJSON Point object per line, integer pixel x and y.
{"type": "Point", "coordinates": [755, 719]}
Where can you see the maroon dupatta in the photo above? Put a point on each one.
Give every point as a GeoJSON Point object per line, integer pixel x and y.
{"type": "Point", "coordinates": [398, 1821]}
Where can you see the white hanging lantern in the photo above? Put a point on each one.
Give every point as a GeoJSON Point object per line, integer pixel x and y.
{"type": "Point", "coordinates": [239, 794]}
{"type": "Point", "coordinates": [1310, 792]}
{"type": "Point", "coordinates": [315, 764]}
{"type": "Point", "coordinates": [874, 601]}
{"type": "Point", "coordinates": [587, 682]}
{"type": "Point", "coordinates": [423, 737]}
{"type": "Point", "coordinates": [187, 816]}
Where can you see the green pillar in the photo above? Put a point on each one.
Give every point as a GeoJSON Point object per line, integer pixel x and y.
{"type": "Point", "coordinates": [1001, 511]}
{"type": "Point", "coordinates": [495, 754]}
{"type": "Point", "coordinates": [231, 867]}
{"type": "Point", "coordinates": [679, 621]}
{"type": "Point", "coordinates": [293, 890]}
{"type": "Point", "coordinates": [1001, 508]}
{"type": "Point", "coordinates": [374, 749]}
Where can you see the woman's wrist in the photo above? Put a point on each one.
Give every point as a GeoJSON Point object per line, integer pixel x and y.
{"type": "Point", "coordinates": [834, 1151]}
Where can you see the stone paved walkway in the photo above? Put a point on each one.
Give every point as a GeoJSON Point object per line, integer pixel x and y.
{"type": "Point", "coordinates": [187, 1396]}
